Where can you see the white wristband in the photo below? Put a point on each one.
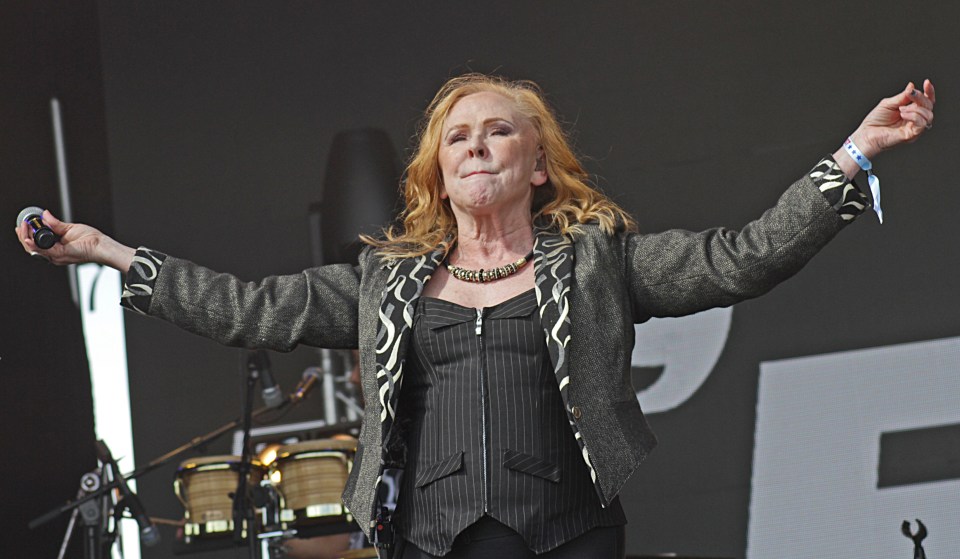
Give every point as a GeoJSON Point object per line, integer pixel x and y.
{"type": "Point", "coordinates": [854, 152]}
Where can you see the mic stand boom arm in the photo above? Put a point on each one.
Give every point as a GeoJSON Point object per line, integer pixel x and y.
{"type": "Point", "coordinates": [292, 400]}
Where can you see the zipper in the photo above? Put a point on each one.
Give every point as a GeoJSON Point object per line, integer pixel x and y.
{"type": "Point", "coordinates": [484, 465]}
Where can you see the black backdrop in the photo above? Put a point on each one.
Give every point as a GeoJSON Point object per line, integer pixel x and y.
{"type": "Point", "coordinates": [691, 114]}
{"type": "Point", "coordinates": [47, 49]}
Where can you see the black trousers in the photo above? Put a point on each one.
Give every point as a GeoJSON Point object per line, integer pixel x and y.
{"type": "Point", "coordinates": [487, 539]}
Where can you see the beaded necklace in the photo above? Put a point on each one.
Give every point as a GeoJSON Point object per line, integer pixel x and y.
{"type": "Point", "coordinates": [483, 276]}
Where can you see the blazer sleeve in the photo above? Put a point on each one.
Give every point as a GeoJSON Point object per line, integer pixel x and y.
{"type": "Point", "coordinates": [677, 273]}
{"type": "Point", "coordinates": [317, 307]}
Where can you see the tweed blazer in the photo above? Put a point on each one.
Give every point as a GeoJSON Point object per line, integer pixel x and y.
{"type": "Point", "coordinates": [591, 290]}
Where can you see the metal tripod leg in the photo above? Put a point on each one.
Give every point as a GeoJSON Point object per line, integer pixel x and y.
{"type": "Point", "coordinates": [89, 482]}
{"type": "Point", "coordinates": [69, 532]}
{"type": "Point", "coordinates": [92, 515]}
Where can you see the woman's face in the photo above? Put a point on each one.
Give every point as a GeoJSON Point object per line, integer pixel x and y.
{"type": "Point", "coordinates": [488, 156]}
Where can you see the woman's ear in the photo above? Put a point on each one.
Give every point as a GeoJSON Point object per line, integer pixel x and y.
{"type": "Point", "coordinates": [540, 168]}
{"type": "Point", "coordinates": [442, 189]}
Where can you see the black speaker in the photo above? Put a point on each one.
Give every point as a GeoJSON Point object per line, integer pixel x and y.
{"type": "Point", "coordinates": [360, 194]}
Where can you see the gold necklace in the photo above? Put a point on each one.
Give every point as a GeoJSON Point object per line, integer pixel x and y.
{"type": "Point", "coordinates": [483, 276]}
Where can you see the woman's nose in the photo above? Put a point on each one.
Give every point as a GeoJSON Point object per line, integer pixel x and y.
{"type": "Point", "coordinates": [477, 149]}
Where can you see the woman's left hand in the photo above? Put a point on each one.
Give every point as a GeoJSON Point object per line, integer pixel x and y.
{"type": "Point", "coordinates": [896, 120]}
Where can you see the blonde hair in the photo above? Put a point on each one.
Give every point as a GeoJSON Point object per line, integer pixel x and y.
{"type": "Point", "coordinates": [566, 200]}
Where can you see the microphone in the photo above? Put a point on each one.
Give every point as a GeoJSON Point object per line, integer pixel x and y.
{"type": "Point", "coordinates": [149, 535]}
{"type": "Point", "coordinates": [272, 396]}
{"type": "Point", "coordinates": [307, 381]}
{"type": "Point", "coordinates": [42, 235]}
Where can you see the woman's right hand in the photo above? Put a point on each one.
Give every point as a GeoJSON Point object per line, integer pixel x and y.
{"type": "Point", "coordinates": [78, 244]}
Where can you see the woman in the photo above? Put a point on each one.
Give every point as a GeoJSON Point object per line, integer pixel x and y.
{"type": "Point", "coordinates": [517, 425]}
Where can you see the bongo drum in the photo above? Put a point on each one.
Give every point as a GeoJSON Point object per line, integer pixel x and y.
{"type": "Point", "coordinates": [312, 475]}
{"type": "Point", "coordinates": [203, 485]}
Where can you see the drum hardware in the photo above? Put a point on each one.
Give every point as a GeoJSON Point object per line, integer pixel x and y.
{"type": "Point", "coordinates": [267, 501]}
{"type": "Point", "coordinates": [274, 541]}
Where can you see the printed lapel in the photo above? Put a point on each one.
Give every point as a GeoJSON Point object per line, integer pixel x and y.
{"type": "Point", "coordinates": [397, 303]}
{"type": "Point", "coordinates": [553, 256]}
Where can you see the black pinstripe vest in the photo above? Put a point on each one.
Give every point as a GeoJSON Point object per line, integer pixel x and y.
{"type": "Point", "coordinates": [486, 431]}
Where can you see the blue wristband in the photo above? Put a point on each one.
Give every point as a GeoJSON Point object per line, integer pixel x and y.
{"type": "Point", "coordinates": [854, 152]}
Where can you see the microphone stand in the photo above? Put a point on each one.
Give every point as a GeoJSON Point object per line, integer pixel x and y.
{"type": "Point", "coordinates": [293, 399]}
{"type": "Point", "coordinates": [96, 543]}
{"type": "Point", "coordinates": [243, 513]}
{"type": "Point", "coordinates": [95, 507]}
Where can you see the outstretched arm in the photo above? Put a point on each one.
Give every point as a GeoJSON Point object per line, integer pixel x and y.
{"type": "Point", "coordinates": [317, 306]}
{"type": "Point", "coordinates": [680, 272]}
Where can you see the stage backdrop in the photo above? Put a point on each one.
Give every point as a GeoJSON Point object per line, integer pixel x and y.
{"type": "Point", "coordinates": [47, 49]}
{"type": "Point", "coordinates": [787, 424]}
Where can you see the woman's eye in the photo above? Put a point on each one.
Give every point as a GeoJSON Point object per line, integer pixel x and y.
{"type": "Point", "coordinates": [500, 131]}
{"type": "Point", "coordinates": [456, 138]}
